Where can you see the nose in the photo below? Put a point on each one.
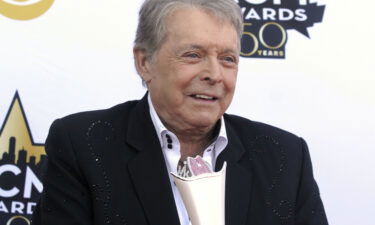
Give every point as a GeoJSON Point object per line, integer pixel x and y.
{"type": "Point", "coordinates": [212, 71]}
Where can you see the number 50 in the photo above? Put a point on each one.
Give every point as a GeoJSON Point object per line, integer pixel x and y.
{"type": "Point", "coordinates": [261, 38]}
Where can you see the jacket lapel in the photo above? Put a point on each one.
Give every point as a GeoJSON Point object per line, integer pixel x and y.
{"type": "Point", "coordinates": [238, 179]}
{"type": "Point", "coordinates": [148, 169]}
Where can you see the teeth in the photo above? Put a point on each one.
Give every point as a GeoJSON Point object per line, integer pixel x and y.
{"type": "Point", "coordinates": [204, 97]}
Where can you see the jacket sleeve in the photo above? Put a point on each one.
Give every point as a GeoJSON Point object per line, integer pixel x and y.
{"type": "Point", "coordinates": [309, 207]}
{"type": "Point", "coordinates": [65, 199]}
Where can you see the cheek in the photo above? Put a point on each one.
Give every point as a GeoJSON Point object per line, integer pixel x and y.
{"type": "Point", "coordinates": [185, 74]}
{"type": "Point", "coordinates": [230, 86]}
{"type": "Point", "coordinates": [230, 82]}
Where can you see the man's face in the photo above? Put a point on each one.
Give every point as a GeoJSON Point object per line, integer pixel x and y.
{"type": "Point", "coordinates": [192, 77]}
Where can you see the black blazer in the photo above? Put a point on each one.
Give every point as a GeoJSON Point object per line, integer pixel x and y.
{"type": "Point", "coordinates": [107, 167]}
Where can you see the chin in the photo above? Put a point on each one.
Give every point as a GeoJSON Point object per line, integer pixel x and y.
{"type": "Point", "coordinates": [204, 120]}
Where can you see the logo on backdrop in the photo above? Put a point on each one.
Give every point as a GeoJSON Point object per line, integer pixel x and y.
{"type": "Point", "coordinates": [21, 162]}
{"type": "Point", "coordinates": [267, 22]}
{"type": "Point", "coordinates": [24, 9]}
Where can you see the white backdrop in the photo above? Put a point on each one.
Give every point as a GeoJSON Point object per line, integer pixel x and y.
{"type": "Point", "coordinates": [78, 56]}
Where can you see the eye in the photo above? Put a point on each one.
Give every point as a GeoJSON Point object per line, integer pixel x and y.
{"type": "Point", "coordinates": [229, 59]}
{"type": "Point", "coordinates": [192, 55]}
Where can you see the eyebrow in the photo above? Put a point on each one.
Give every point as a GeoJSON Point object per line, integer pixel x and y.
{"type": "Point", "coordinates": [190, 47]}
{"type": "Point", "coordinates": [200, 47]}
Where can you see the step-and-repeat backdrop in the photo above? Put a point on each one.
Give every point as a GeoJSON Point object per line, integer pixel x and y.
{"type": "Point", "coordinates": [306, 66]}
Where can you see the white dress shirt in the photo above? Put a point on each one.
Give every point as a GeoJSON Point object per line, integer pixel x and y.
{"type": "Point", "coordinates": [172, 155]}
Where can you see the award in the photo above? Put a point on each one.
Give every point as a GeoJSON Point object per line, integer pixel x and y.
{"type": "Point", "coordinates": [203, 193]}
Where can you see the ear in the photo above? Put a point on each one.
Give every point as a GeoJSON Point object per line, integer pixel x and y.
{"type": "Point", "coordinates": [142, 64]}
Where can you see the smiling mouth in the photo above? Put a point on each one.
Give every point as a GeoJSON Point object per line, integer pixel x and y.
{"type": "Point", "coordinates": [203, 97]}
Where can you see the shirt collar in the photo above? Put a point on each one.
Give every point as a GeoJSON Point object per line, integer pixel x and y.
{"type": "Point", "coordinates": [159, 127]}
{"type": "Point", "coordinates": [220, 142]}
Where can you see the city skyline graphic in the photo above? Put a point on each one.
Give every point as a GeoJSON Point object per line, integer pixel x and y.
{"type": "Point", "coordinates": [19, 151]}
{"type": "Point", "coordinates": [16, 142]}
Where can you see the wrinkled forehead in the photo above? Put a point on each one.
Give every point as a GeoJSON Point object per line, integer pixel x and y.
{"type": "Point", "coordinates": [218, 17]}
{"type": "Point", "coordinates": [188, 23]}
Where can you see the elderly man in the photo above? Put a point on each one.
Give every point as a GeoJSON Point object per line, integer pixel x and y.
{"type": "Point", "coordinates": [113, 166]}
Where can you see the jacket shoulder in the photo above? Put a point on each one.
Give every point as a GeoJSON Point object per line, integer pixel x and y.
{"type": "Point", "coordinates": [113, 114]}
{"type": "Point", "coordinates": [264, 136]}
{"type": "Point", "coordinates": [254, 128]}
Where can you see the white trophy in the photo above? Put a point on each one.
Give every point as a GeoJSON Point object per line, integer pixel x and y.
{"type": "Point", "coordinates": [203, 193]}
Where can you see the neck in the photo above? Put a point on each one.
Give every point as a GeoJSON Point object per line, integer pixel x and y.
{"type": "Point", "coordinates": [194, 141]}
